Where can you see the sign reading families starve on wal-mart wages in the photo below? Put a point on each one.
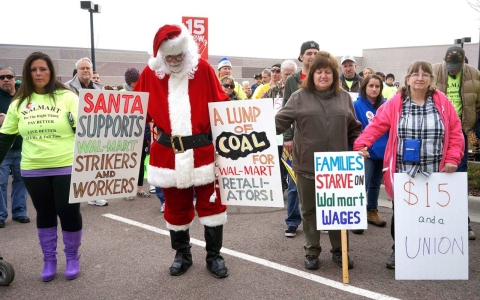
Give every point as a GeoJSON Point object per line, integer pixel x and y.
{"type": "Point", "coordinates": [431, 234]}
{"type": "Point", "coordinates": [247, 162]}
{"type": "Point", "coordinates": [108, 144]}
{"type": "Point", "coordinates": [340, 190]}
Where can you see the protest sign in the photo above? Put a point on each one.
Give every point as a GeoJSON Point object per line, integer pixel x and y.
{"type": "Point", "coordinates": [198, 28]}
{"type": "Point", "coordinates": [108, 144]}
{"type": "Point", "coordinates": [340, 190]}
{"type": "Point", "coordinates": [247, 162]}
{"type": "Point", "coordinates": [431, 233]}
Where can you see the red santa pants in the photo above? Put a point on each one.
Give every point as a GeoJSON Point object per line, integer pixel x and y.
{"type": "Point", "coordinates": [179, 210]}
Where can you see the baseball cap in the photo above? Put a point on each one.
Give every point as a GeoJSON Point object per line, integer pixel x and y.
{"type": "Point", "coordinates": [454, 58]}
{"type": "Point", "coordinates": [308, 45]}
{"type": "Point", "coordinates": [257, 76]}
{"type": "Point", "coordinates": [347, 57]}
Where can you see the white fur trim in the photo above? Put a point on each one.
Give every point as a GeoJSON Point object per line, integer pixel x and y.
{"type": "Point", "coordinates": [167, 178]}
{"type": "Point", "coordinates": [215, 220]}
{"type": "Point", "coordinates": [176, 45]}
{"type": "Point", "coordinates": [178, 227]}
{"type": "Point", "coordinates": [154, 63]}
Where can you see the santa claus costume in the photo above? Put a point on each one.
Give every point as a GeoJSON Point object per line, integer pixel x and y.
{"type": "Point", "coordinates": [181, 85]}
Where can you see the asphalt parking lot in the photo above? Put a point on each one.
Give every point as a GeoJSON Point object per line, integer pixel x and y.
{"type": "Point", "coordinates": [126, 254]}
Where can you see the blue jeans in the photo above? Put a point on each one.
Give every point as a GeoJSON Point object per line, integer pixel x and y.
{"type": "Point", "coordinates": [294, 217]}
{"type": "Point", "coordinates": [160, 195]}
{"type": "Point", "coordinates": [373, 180]}
{"type": "Point", "coordinates": [19, 192]}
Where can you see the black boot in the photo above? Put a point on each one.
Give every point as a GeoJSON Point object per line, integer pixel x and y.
{"type": "Point", "coordinates": [183, 257]}
{"type": "Point", "coordinates": [215, 262]}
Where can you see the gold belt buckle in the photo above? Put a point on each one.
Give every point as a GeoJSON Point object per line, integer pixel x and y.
{"type": "Point", "coordinates": [172, 137]}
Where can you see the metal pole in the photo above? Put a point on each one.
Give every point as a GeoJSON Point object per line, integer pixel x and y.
{"type": "Point", "coordinates": [91, 36]}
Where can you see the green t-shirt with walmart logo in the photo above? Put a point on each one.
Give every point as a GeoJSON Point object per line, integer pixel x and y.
{"type": "Point", "coordinates": [453, 92]}
{"type": "Point", "coordinates": [48, 137]}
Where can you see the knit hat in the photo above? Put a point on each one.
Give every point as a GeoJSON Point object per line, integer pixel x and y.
{"type": "Point", "coordinates": [308, 45]}
{"type": "Point", "coordinates": [131, 75]}
{"type": "Point", "coordinates": [454, 58]}
{"type": "Point", "coordinates": [224, 62]}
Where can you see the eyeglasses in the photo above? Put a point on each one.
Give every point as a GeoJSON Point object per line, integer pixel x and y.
{"type": "Point", "coordinates": [2, 77]}
{"type": "Point", "coordinates": [228, 86]}
{"type": "Point", "coordinates": [423, 75]}
{"type": "Point", "coordinates": [178, 57]}
{"type": "Point", "coordinates": [84, 68]}
{"type": "Point", "coordinates": [276, 70]}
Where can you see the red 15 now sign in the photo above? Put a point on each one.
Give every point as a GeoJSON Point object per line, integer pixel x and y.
{"type": "Point", "coordinates": [198, 27]}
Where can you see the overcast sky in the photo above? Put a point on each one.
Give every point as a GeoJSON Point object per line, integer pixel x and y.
{"type": "Point", "coordinates": [266, 29]}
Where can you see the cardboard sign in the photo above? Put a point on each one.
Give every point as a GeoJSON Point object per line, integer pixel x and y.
{"type": "Point", "coordinates": [431, 230]}
{"type": "Point", "coordinates": [198, 27]}
{"type": "Point", "coordinates": [108, 144]}
{"type": "Point", "coordinates": [247, 162]}
{"type": "Point", "coordinates": [340, 190]}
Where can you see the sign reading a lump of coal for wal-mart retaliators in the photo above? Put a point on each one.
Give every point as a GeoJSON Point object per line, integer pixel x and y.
{"type": "Point", "coordinates": [108, 144]}
{"type": "Point", "coordinates": [340, 190]}
{"type": "Point", "coordinates": [431, 228]}
{"type": "Point", "coordinates": [247, 161]}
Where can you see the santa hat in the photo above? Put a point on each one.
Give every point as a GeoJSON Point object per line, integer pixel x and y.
{"type": "Point", "coordinates": [170, 40]}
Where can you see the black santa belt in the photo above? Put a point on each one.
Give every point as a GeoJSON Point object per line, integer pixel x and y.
{"type": "Point", "coordinates": [181, 143]}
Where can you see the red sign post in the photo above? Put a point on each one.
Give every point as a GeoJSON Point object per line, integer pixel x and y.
{"type": "Point", "coordinates": [198, 27]}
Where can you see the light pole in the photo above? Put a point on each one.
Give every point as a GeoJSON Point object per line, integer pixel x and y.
{"type": "Point", "coordinates": [92, 8]}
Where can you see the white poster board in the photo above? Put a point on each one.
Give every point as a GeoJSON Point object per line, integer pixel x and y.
{"type": "Point", "coordinates": [353, 96]}
{"type": "Point", "coordinates": [340, 190]}
{"type": "Point", "coordinates": [247, 162]}
{"type": "Point", "coordinates": [431, 230]}
{"type": "Point", "coordinates": [108, 144]}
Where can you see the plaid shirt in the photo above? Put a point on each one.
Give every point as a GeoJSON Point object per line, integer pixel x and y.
{"type": "Point", "coordinates": [421, 122]}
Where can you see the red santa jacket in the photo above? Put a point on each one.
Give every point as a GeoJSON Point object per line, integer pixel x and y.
{"type": "Point", "coordinates": [179, 106]}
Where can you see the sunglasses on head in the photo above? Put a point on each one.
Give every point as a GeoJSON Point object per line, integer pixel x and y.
{"type": "Point", "coordinates": [226, 85]}
{"type": "Point", "coordinates": [276, 70]}
{"type": "Point", "coordinates": [2, 77]}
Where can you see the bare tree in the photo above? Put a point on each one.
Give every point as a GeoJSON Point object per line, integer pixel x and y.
{"type": "Point", "coordinates": [474, 4]}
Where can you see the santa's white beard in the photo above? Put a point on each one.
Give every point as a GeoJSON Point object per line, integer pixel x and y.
{"type": "Point", "coordinates": [175, 68]}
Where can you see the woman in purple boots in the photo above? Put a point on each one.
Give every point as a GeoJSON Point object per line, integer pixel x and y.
{"type": "Point", "coordinates": [44, 113]}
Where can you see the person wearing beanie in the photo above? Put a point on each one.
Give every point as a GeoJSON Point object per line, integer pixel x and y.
{"type": "Point", "coordinates": [225, 69]}
{"type": "Point", "coordinates": [182, 158]}
{"type": "Point", "coordinates": [308, 50]}
{"type": "Point", "coordinates": [389, 89]}
{"type": "Point", "coordinates": [461, 83]}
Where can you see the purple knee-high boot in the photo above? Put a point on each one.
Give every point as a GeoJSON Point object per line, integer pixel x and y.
{"type": "Point", "coordinates": [48, 243]}
{"type": "Point", "coordinates": [72, 241]}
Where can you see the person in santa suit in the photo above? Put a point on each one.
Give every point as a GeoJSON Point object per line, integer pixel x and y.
{"type": "Point", "coordinates": [181, 85]}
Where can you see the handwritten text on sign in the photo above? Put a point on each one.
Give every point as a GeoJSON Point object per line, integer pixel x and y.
{"type": "Point", "coordinates": [108, 144]}
{"type": "Point", "coordinates": [340, 190]}
{"type": "Point", "coordinates": [431, 233]}
{"type": "Point", "coordinates": [247, 161]}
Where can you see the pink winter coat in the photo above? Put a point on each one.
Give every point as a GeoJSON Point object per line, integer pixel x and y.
{"type": "Point", "coordinates": [387, 118]}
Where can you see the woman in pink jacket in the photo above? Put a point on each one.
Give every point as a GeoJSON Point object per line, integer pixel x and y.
{"type": "Point", "coordinates": [425, 132]}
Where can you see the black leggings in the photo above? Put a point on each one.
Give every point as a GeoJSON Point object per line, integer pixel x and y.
{"type": "Point", "coordinates": [50, 198]}
{"type": "Point", "coordinates": [141, 172]}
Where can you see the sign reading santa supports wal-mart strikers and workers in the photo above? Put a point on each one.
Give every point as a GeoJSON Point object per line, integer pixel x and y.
{"type": "Point", "coordinates": [108, 144]}
{"type": "Point", "coordinates": [340, 190]}
{"type": "Point", "coordinates": [431, 230]}
{"type": "Point", "coordinates": [247, 164]}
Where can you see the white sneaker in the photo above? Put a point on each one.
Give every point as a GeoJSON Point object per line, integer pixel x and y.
{"type": "Point", "coordinates": [162, 208]}
{"type": "Point", "coordinates": [152, 189]}
{"type": "Point", "coordinates": [98, 202]}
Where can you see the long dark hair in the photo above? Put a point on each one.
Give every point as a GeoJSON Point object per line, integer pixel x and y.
{"type": "Point", "coordinates": [27, 88]}
{"type": "Point", "coordinates": [413, 68]}
{"type": "Point", "coordinates": [363, 89]}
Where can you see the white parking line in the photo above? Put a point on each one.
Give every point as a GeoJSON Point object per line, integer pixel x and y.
{"type": "Point", "coordinates": [264, 262]}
